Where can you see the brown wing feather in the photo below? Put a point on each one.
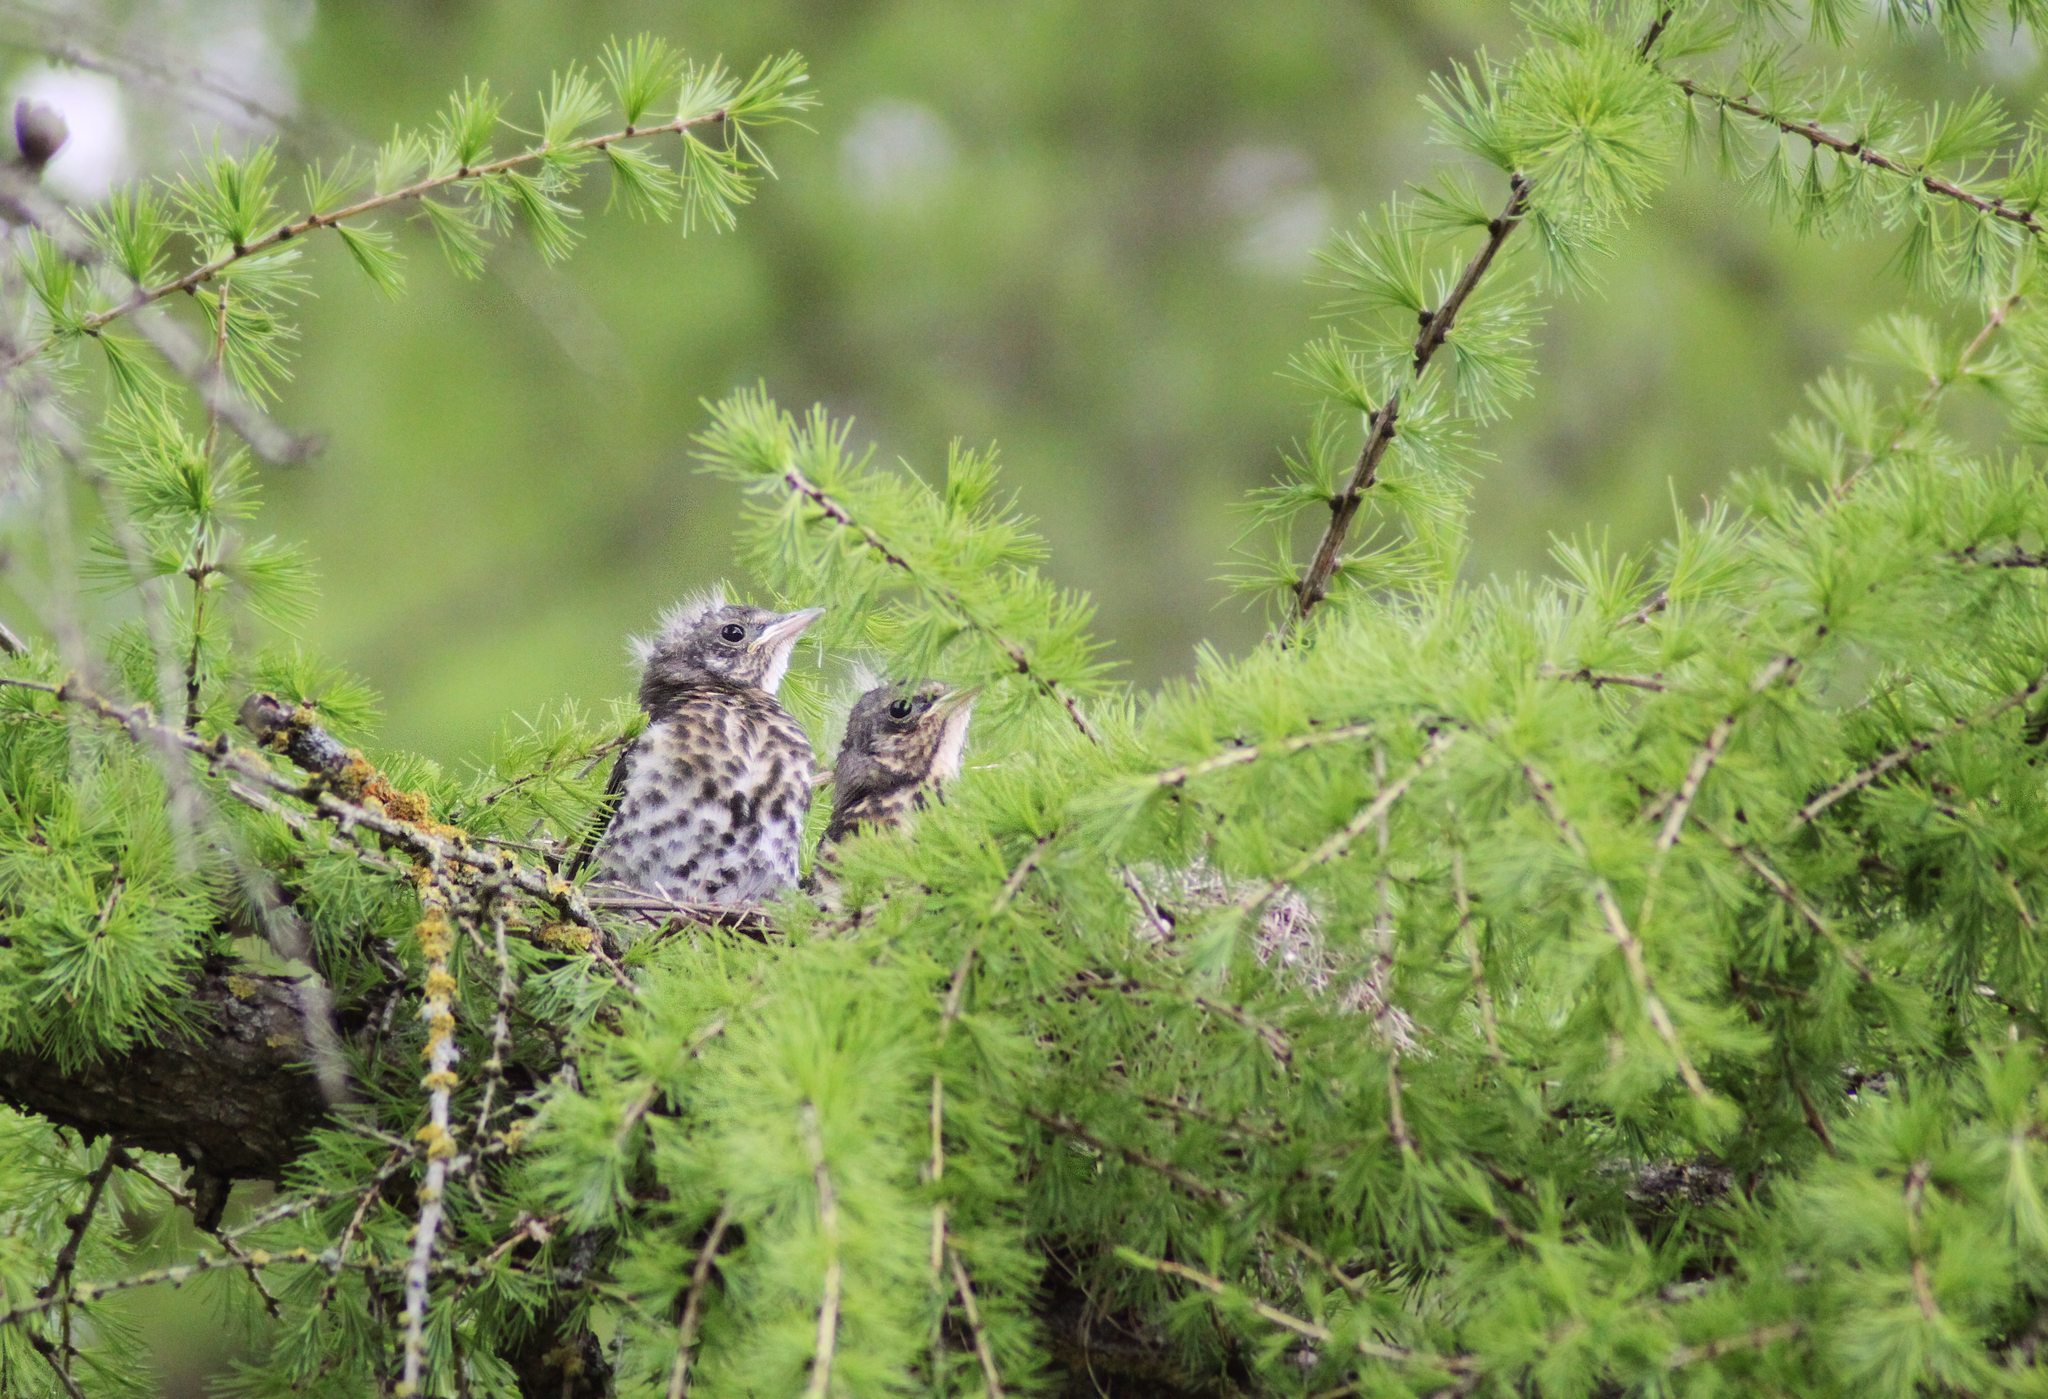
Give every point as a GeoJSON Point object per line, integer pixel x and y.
{"type": "Point", "coordinates": [607, 807]}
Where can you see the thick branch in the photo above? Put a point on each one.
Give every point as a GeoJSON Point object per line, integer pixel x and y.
{"type": "Point", "coordinates": [1379, 434]}
{"type": "Point", "coordinates": [232, 1097]}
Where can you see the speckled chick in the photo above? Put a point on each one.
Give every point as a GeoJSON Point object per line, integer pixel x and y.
{"type": "Point", "coordinates": [710, 799]}
{"type": "Point", "coordinates": [903, 743]}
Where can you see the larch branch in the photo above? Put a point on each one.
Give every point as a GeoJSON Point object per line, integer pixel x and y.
{"type": "Point", "coordinates": [803, 486]}
{"type": "Point", "coordinates": [1380, 427]}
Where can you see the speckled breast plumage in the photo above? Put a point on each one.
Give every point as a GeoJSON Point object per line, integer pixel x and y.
{"type": "Point", "coordinates": [712, 802]}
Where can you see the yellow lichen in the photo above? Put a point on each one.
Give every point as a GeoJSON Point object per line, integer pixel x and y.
{"type": "Point", "coordinates": [241, 987]}
{"type": "Point", "coordinates": [562, 937]}
{"type": "Point", "coordinates": [445, 1079]}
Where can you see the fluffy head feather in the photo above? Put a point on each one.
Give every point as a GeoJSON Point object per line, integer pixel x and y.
{"type": "Point", "coordinates": [707, 643]}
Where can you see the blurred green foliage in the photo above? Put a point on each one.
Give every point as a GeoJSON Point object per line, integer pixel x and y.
{"type": "Point", "coordinates": [1076, 231]}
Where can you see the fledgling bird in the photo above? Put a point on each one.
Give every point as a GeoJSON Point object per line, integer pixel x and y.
{"type": "Point", "coordinates": [903, 743]}
{"type": "Point", "coordinates": [707, 804]}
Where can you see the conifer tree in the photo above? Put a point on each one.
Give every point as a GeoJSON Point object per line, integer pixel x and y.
{"type": "Point", "coordinates": [1627, 983]}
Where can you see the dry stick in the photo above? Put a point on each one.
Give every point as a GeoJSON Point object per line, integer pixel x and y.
{"type": "Point", "coordinates": [981, 1345]}
{"type": "Point", "coordinates": [1351, 830]}
{"type": "Point", "coordinates": [207, 271]}
{"type": "Point", "coordinates": [1375, 1350]}
{"type": "Point", "coordinates": [686, 1329]}
{"type": "Point", "coordinates": [1618, 929]}
{"type": "Point", "coordinates": [828, 1222]}
{"type": "Point", "coordinates": [1870, 772]}
{"type": "Point", "coordinates": [1488, 1025]}
{"type": "Point", "coordinates": [1315, 584]}
{"type": "Point", "coordinates": [437, 941]}
{"type": "Point", "coordinates": [838, 514]}
{"type": "Point", "coordinates": [1180, 776]}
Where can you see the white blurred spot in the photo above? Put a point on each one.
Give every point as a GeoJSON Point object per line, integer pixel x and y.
{"type": "Point", "coordinates": [895, 151]}
{"type": "Point", "coordinates": [1282, 214]}
{"type": "Point", "coordinates": [95, 156]}
{"type": "Point", "coordinates": [2009, 57]}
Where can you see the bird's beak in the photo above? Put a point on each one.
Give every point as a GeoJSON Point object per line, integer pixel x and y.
{"type": "Point", "coordinates": [952, 709]}
{"type": "Point", "coordinates": [782, 634]}
{"type": "Point", "coordinates": [778, 639]}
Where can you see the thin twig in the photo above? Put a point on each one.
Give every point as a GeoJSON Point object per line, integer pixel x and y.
{"type": "Point", "coordinates": [1617, 928]}
{"type": "Point", "coordinates": [185, 1201]}
{"type": "Point", "coordinates": [1351, 830]}
{"type": "Point", "coordinates": [1816, 135]}
{"type": "Point", "coordinates": [1782, 887]}
{"type": "Point", "coordinates": [67, 1256]}
{"type": "Point", "coordinates": [1589, 676]}
{"type": "Point", "coordinates": [693, 1303]}
{"type": "Point", "coordinates": [1019, 659]}
{"type": "Point", "coordinates": [1379, 435]}
{"type": "Point", "coordinates": [1180, 776]}
{"type": "Point", "coordinates": [207, 271]}
{"type": "Point", "coordinates": [981, 1345]}
{"type": "Point", "coordinates": [828, 1224]}
{"type": "Point", "coordinates": [1870, 772]}
{"type": "Point", "coordinates": [1488, 1025]}
{"type": "Point", "coordinates": [1755, 1339]}
{"type": "Point", "coordinates": [1376, 1350]}
{"type": "Point", "coordinates": [1717, 739]}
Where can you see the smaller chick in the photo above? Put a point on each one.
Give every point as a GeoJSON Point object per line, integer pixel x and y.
{"type": "Point", "coordinates": [902, 743]}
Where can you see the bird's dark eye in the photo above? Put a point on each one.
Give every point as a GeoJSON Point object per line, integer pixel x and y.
{"type": "Point", "coordinates": [733, 632]}
{"type": "Point", "coordinates": [900, 709]}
